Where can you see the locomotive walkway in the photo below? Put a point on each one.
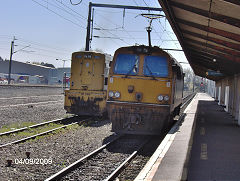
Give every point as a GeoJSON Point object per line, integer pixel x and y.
{"type": "Point", "coordinates": [205, 147]}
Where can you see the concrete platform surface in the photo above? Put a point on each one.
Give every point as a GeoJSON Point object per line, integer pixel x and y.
{"type": "Point", "coordinates": [203, 147]}
{"type": "Point", "coordinates": [215, 151]}
{"type": "Point", "coordinates": [167, 163]}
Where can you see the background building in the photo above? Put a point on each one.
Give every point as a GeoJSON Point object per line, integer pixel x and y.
{"type": "Point", "coordinates": [32, 73]}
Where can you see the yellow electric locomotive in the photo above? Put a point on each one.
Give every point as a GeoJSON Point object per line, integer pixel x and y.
{"type": "Point", "coordinates": [88, 84]}
{"type": "Point", "coordinates": [145, 87]}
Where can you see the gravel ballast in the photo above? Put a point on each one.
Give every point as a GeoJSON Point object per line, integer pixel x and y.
{"type": "Point", "coordinates": [62, 148]}
{"type": "Point", "coordinates": [19, 104]}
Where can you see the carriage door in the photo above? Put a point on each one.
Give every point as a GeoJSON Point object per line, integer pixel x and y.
{"type": "Point", "coordinates": [87, 69]}
{"type": "Point", "coordinates": [226, 98]}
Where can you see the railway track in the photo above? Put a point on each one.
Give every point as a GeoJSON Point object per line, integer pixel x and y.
{"type": "Point", "coordinates": [36, 125]}
{"type": "Point", "coordinates": [80, 170]}
{"type": "Point", "coordinates": [187, 99]}
{"type": "Point", "coordinates": [110, 159]}
{"type": "Point", "coordinates": [31, 104]}
{"type": "Point", "coordinates": [133, 169]}
{"type": "Point", "coordinates": [7, 98]}
{"type": "Point", "coordinates": [63, 121]}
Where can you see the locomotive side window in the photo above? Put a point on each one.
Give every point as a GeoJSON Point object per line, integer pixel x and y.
{"type": "Point", "coordinates": [126, 64]}
{"type": "Point", "coordinates": [155, 66]}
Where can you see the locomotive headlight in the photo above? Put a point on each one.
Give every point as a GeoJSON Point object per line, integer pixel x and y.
{"type": "Point", "coordinates": [160, 97]}
{"type": "Point", "coordinates": [166, 98]}
{"type": "Point", "coordinates": [110, 93]}
{"type": "Point", "coordinates": [117, 94]}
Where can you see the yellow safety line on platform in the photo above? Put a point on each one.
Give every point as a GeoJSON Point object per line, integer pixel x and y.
{"type": "Point", "coordinates": [202, 131]}
{"type": "Point", "coordinates": [203, 154]}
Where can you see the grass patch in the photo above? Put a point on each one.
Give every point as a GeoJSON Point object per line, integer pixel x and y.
{"type": "Point", "coordinates": [15, 126]}
{"type": "Point", "coordinates": [33, 131]}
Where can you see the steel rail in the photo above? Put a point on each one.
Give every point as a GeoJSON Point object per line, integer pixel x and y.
{"type": "Point", "coordinates": [116, 172]}
{"type": "Point", "coordinates": [129, 159]}
{"type": "Point", "coordinates": [188, 96]}
{"type": "Point", "coordinates": [188, 100]}
{"type": "Point", "coordinates": [34, 136]}
{"type": "Point", "coordinates": [35, 125]}
{"type": "Point", "coordinates": [77, 163]}
{"type": "Point", "coordinates": [30, 104]}
{"type": "Point", "coordinates": [5, 98]}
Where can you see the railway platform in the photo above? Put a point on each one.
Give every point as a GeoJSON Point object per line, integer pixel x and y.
{"type": "Point", "coordinates": [204, 146]}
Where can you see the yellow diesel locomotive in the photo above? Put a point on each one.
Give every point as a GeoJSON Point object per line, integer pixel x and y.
{"type": "Point", "coordinates": [88, 84]}
{"type": "Point", "coordinates": [145, 89]}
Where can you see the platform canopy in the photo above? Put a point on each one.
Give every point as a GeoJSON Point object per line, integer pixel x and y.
{"type": "Point", "coordinates": [209, 33]}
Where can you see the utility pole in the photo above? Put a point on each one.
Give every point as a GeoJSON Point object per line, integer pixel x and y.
{"type": "Point", "coordinates": [63, 61]}
{"type": "Point", "coordinates": [11, 54]}
{"type": "Point", "coordinates": [10, 61]}
{"type": "Point", "coordinates": [88, 27]}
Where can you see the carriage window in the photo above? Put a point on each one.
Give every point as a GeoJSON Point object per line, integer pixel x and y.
{"type": "Point", "coordinates": [126, 64]}
{"type": "Point", "coordinates": [155, 66]}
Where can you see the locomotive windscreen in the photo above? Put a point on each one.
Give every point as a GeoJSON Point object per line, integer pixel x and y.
{"type": "Point", "coordinates": [155, 66]}
{"type": "Point", "coordinates": [126, 64]}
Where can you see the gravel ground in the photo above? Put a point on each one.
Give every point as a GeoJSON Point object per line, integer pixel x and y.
{"type": "Point", "coordinates": [5, 102]}
{"type": "Point", "coordinates": [103, 164]}
{"type": "Point", "coordinates": [62, 148]}
{"type": "Point", "coordinates": [47, 104]}
{"type": "Point", "coordinates": [24, 91]}
{"type": "Point", "coordinates": [37, 113]}
{"type": "Point", "coordinates": [137, 164]}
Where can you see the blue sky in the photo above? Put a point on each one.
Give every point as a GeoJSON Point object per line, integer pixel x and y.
{"type": "Point", "coordinates": [55, 28]}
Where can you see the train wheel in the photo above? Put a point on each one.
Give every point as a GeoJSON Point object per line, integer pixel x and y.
{"type": "Point", "coordinates": [169, 123]}
{"type": "Point", "coordinates": [102, 117]}
{"type": "Point", "coordinates": [177, 110]}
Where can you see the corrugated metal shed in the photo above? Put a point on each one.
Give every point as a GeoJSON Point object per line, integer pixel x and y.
{"type": "Point", "coordinates": [209, 33]}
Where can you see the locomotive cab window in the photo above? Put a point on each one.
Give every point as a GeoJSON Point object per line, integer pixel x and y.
{"type": "Point", "coordinates": [126, 64]}
{"type": "Point", "coordinates": [155, 66]}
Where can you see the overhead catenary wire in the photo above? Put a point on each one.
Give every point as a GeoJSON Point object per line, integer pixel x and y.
{"type": "Point", "coordinates": [78, 14]}
{"type": "Point", "coordinates": [118, 27]}
{"type": "Point", "coordinates": [62, 9]}
{"type": "Point", "coordinates": [109, 31]}
{"type": "Point", "coordinates": [145, 3]}
{"type": "Point", "coordinates": [83, 16]}
{"type": "Point", "coordinates": [58, 14]}
{"type": "Point", "coordinates": [167, 32]}
{"type": "Point", "coordinates": [60, 49]}
{"type": "Point", "coordinates": [164, 30]}
{"type": "Point", "coordinates": [75, 3]}
{"type": "Point", "coordinates": [132, 31]}
{"type": "Point", "coordinates": [160, 37]}
{"type": "Point", "coordinates": [138, 38]}
{"type": "Point", "coordinates": [96, 24]}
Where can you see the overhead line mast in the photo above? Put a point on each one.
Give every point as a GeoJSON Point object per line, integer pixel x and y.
{"type": "Point", "coordinates": [88, 37]}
